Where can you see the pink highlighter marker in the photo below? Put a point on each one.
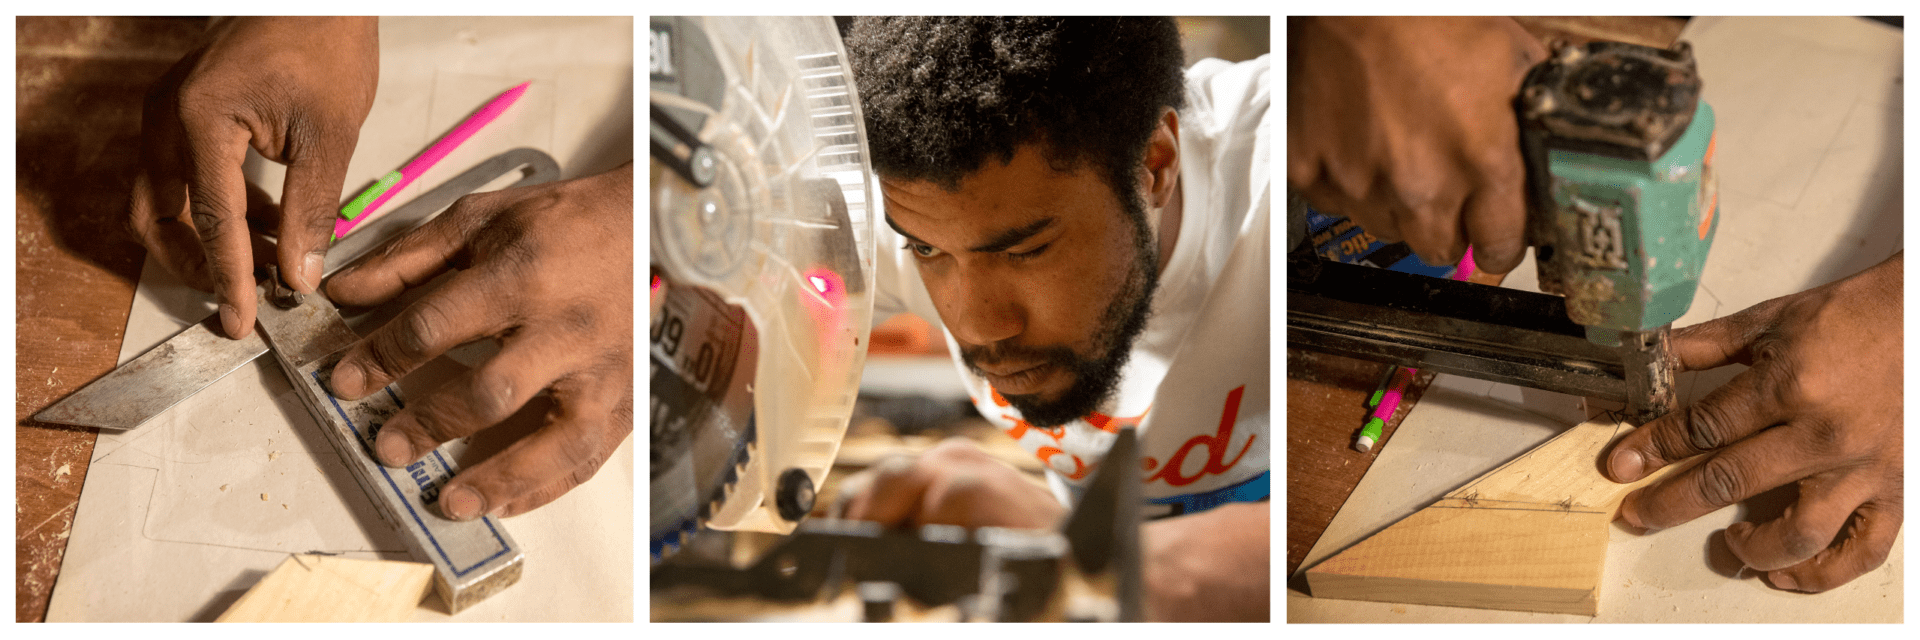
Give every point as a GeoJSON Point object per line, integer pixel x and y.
{"type": "Point", "coordinates": [363, 206]}
{"type": "Point", "coordinates": [1389, 397]}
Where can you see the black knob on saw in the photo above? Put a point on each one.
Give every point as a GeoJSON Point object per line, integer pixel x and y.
{"type": "Point", "coordinates": [794, 494]}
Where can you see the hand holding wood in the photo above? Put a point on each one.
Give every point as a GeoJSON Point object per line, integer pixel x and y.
{"type": "Point", "coordinates": [1820, 408]}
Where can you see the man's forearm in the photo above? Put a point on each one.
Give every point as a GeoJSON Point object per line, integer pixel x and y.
{"type": "Point", "coordinates": [1210, 566]}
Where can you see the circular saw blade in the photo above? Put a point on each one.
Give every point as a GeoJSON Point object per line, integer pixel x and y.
{"type": "Point", "coordinates": [763, 201]}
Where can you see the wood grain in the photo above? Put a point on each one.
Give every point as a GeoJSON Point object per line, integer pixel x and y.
{"type": "Point", "coordinates": [317, 588]}
{"type": "Point", "coordinates": [1531, 535]}
{"type": "Point", "coordinates": [79, 84]}
{"type": "Point", "coordinates": [1522, 560]}
{"type": "Point", "coordinates": [1563, 473]}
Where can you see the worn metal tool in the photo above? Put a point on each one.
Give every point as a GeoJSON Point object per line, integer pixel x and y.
{"type": "Point", "coordinates": [1619, 150]}
{"type": "Point", "coordinates": [1490, 333]}
{"type": "Point", "coordinates": [472, 559]}
{"type": "Point", "coordinates": [991, 574]}
{"type": "Point", "coordinates": [1621, 213]}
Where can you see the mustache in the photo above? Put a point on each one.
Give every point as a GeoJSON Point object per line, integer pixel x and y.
{"type": "Point", "coordinates": [977, 357]}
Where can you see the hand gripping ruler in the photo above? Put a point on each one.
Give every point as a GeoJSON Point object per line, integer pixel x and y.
{"type": "Point", "coordinates": [472, 560]}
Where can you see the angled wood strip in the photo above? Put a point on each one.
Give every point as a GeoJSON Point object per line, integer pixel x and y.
{"type": "Point", "coordinates": [1564, 472]}
{"type": "Point", "coordinates": [1530, 535]}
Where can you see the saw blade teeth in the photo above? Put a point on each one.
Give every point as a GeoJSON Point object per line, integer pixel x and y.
{"type": "Point", "coordinates": [662, 548]}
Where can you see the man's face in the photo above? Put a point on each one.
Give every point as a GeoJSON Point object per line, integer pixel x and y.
{"type": "Point", "coordinates": [1044, 277]}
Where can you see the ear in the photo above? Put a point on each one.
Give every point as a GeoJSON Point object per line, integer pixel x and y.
{"type": "Point", "coordinates": [1160, 169]}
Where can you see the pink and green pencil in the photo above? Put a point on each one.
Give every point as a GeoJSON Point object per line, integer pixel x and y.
{"type": "Point", "coordinates": [369, 201]}
{"type": "Point", "coordinates": [1386, 399]}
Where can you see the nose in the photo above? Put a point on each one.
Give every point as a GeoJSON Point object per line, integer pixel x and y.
{"type": "Point", "coordinates": [977, 307]}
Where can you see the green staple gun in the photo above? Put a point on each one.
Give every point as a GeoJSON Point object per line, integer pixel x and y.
{"type": "Point", "coordinates": [1622, 198]}
{"type": "Point", "coordinates": [1621, 211]}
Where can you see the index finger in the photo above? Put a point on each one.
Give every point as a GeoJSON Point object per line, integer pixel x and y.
{"type": "Point", "coordinates": [1495, 218]}
{"type": "Point", "coordinates": [1742, 406]}
{"type": "Point", "coordinates": [1768, 459]}
{"type": "Point", "coordinates": [1723, 341]}
{"type": "Point", "coordinates": [217, 198]}
{"type": "Point", "coordinates": [458, 312]}
{"type": "Point", "coordinates": [415, 258]}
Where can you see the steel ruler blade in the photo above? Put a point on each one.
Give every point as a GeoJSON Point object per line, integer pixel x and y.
{"type": "Point", "coordinates": [162, 377]}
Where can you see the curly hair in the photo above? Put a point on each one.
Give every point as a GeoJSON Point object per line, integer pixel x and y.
{"type": "Point", "coordinates": [942, 95]}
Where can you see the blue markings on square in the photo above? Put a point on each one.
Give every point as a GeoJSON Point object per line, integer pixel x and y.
{"type": "Point", "coordinates": [395, 487]}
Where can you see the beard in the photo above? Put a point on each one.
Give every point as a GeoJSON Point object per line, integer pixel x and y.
{"type": "Point", "coordinates": [1095, 378]}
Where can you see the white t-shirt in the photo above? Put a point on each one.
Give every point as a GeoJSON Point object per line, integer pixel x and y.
{"type": "Point", "coordinates": [1196, 386]}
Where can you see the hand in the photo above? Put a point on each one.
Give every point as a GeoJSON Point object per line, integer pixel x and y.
{"type": "Point", "coordinates": [297, 91]}
{"type": "Point", "coordinates": [1406, 126]}
{"type": "Point", "coordinates": [1819, 407]}
{"type": "Point", "coordinates": [1210, 566]}
{"type": "Point", "coordinates": [953, 483]}
{"type": "Point", "coordinates": [548, 271]}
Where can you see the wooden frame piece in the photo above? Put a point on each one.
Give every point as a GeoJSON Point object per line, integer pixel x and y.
{"type": "Point", "coordinates": [1530, 535]}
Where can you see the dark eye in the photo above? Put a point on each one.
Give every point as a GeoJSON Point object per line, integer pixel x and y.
{"type": "Point", "coordinates": [924, 251]}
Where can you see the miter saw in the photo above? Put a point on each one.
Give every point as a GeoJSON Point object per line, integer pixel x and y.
{"type": "Point", "coordinates": [1622, 209]}
{"type": "Point", "coordinates": [763, 206]}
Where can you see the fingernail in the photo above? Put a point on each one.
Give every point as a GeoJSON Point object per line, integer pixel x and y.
{"type": "Point", "coordinates": [1626, 464]}
{"type": "Point", "coordinates": [1783, 581]}
{"type": "Point", "coordinates": [348, 380]}
{"type": "Point", "coordinates": [310, 276]}
{"type": "Point", "coordinates": [230, 320]}
{"type": "Point", "coordinates": [393, 448]}
{"type": "Point", "coordinates": [462, 503]}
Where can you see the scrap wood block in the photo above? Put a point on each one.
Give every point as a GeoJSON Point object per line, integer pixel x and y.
{"type": "Point", "coordinates": [1514, 559]}
{"type": "Point", "coordinates": [1530, 535]}
{"type": "Point", "coordinates": [317, 588]}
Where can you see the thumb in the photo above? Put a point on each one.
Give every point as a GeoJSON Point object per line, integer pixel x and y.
{"type": "Point", "coordinates": [310, 200]}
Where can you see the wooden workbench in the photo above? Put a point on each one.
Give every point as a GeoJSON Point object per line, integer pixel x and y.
{"type": "Point", "coordinates": [78, 92]}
